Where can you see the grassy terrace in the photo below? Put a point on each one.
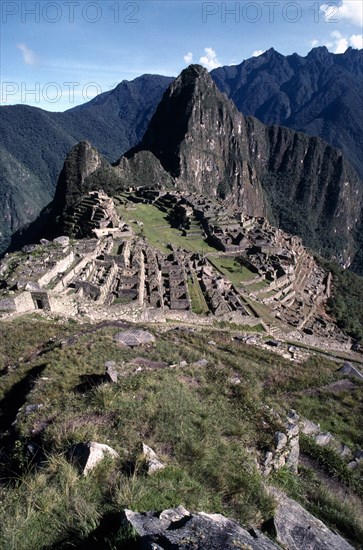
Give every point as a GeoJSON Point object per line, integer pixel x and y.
{"type": "Point", "coordinates": [195, 418]}
{"type": "Point", "coordinates": [157, 230]}
{"type": "Point", "coordinates": [199, 305]}
{"type": "Point", "coordinates": [236, 273]}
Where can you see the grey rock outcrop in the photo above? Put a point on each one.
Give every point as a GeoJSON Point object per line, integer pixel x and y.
{"type": "Point", "coordinates": [63, 240]}
{"type": "Point", "coordinates": [87, 455]}
{"type": "Point", "coordinates": [287, 449]}
{"type": "Point", "coordinates": [134, 337]}
{"type": "Point", "coordinates": [324, 439]}
{"type": "Point", "coordinates": [152, 461]}
{"type": "Point", "coordinates": [177, 528]}
{"type": "Point", "coordinates": [296, 529]}
{"type": "Point", "coordinates": [308, 427]}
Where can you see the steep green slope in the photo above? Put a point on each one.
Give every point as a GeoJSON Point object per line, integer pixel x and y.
{"type": "Point", "coordinates": [204, 426]}
{"type": "Point", "coordinates": [320, 94]}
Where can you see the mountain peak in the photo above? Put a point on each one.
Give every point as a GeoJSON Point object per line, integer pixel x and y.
{"type": "Point", "coordinates": [199, 138]}
{"type": "Point", "coordinates": [190, 76]}
{"type": "Point", "coordinates": [194, 70]}
{"type": "Point", "coordinates": [81, 162]}
{"type": "Point", "coordinates": [320, 52]}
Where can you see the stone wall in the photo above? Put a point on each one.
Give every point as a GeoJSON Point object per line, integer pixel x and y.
{"type": "Point", "coordinates": [60, 266]}
{"type": "Point", "coordinates": [24, 302]}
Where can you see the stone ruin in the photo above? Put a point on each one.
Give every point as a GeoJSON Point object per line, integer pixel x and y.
{"type": "Point", "coordinates": [294, 286]}
{"type": "Point", "coordinates": [95, 216]}
{"type": "Point", "coordinates": [112, 267]}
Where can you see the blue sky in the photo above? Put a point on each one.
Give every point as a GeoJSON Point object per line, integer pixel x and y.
{"type": "Point", "coordinates": [56, 54]}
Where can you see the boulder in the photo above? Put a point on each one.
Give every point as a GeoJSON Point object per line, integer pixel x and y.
{"type": "Point", "coordinates": [292, 416]}
{"type": "Point", "coordinates": [179, 529]}
{"type": "Point", "coordinates": [87, 455]}
{"type": "Point", "coordinates": [292, 460]}
{"type": "Point", "coordinates": [152, 461]}
{"type": "Point", "coordinates": [134, 337]}
{"type": "Point", "coordinates": [308, 427]}
{"type": "Point", "coordinates": [344, 451]}
{"type": "Point", "coordinates": [351, 371]}
{"type": "Point", "coordinates": [280, 440]}
{"type": "Point", "coordinates": [111, 374]}
{"type": "Point", "coordinates": [63, 240]}
{"type": "Point", "coordinates": [296, 529]}
{"type": "Point", "coordinates": [324, 439]}
{"type": "Point", "coordinates": [292, 429]}
{"type": "Point", "coordinates": [200, 363]}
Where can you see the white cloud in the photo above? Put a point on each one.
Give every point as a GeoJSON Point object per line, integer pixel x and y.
{"type": "Point", "coordinates": [188, 58]}
{"type": "Point", "coordinates": [256, 53]}
{"type": "Point", "coordinates": [210, 60]}
{"type": "Point", "coordinates": [340, 43]}
{"type": "Point", "coordinates": [356, 41]}
{"type": "Point", "coordinates": [352, 10]}
{"type": "Point", "coordinates": [29, 56]}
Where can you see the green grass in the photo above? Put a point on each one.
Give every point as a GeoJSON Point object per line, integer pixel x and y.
{"type": "Point", "coordinates": [227, 325]}
{"type": "Point", "coordinates": [199, 423]}
{"type": "Point", "coordinates": [198, 302]}
{"type": "Point", "coordinates": [234, 271]}
{"type": "Point", "coordinates": [339, 413]}
{"type": "Point", "coordinates": [158, 231]}
{"type": "Point", "coordinates": [254, 287]}
{"type": "Point", "coordinates": [333, 464]}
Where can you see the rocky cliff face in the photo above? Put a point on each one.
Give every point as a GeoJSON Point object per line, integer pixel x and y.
{"type": "Point", "coordinates": [199, 138]}
{"type": "Point", "coordinates": [82, 161]}
{"type": "Point", "coordinates": [313, 191]}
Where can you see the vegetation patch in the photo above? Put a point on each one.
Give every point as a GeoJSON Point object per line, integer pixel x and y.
{"type": "Point", "coordinates": [345, 304]}
{"type": "Point", "coordinates": [156, 228]}
{"type": "Point", "coordinates": [198, 302]}
{"type": "Point", "coordinates": [232, 269]}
